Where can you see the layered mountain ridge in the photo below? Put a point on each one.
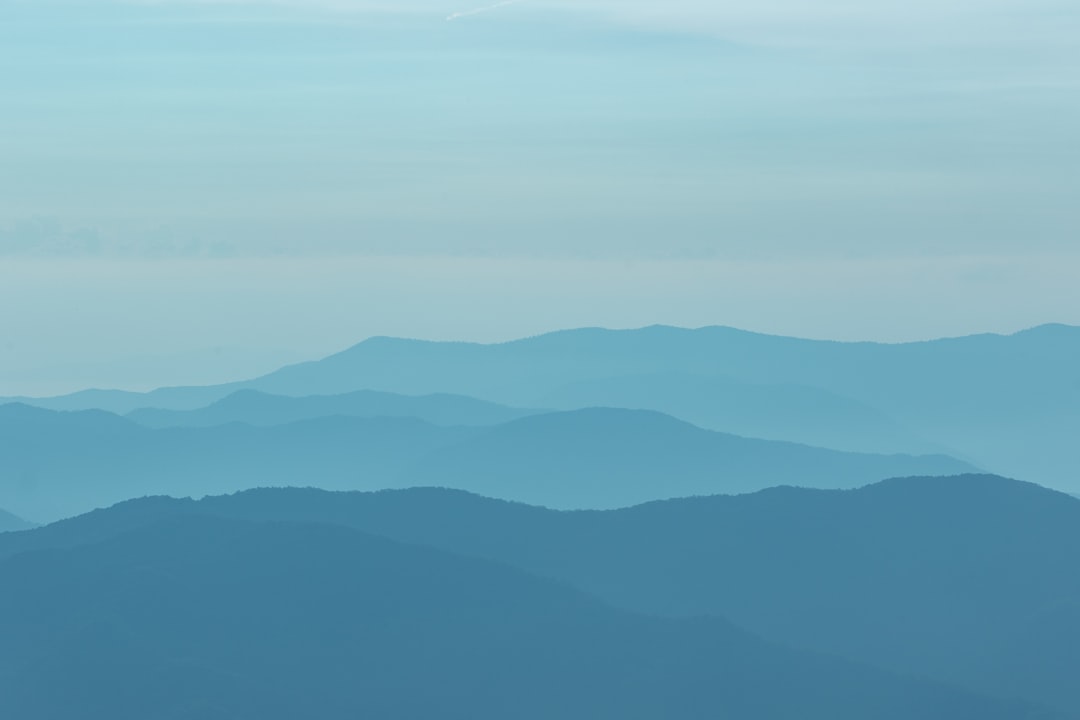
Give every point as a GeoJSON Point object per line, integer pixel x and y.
{"type": "Point", "coordinates": [257, 603]}
{"type": "Point", "coordinates": [65, 463]}
{"type": "Point", "coordinates": [1010, 404]}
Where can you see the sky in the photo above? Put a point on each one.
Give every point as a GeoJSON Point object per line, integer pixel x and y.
{"type": "Point", "coordinates": [198, 191]}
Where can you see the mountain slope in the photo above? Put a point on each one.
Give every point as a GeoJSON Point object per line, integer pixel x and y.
{"type": "Point", "coordinates": [55, 464]}
{"type": "Point", "coordinates": [786, 412]}
{"type": "Point", "coordinates": [199, 617]}
{"type": "Point", "coordinates": [256, 408]}
{"type": "Point", "coordinates": [603, 458]}
{"type": "Point", "coordinates": [10, 523]}
{"type": "Point", "coordinates": [972, 580]}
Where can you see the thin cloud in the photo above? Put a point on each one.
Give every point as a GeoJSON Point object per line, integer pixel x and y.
{"type": "Point", "coordinates": [477, 11]}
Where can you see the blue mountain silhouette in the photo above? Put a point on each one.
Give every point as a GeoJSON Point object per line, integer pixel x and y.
{"type": "Point", "coordinates": [1010, 403]}
{"type": "Point", "coordinates": [57, 464]}
{"type": "Point", "coordinates": [200, 616]}
{"type": "Point", "coordinates": [971, 580]}
{"type": "Point", "coordinates": [789, 412]}
{"type": "Point", "coordinates": [604, 458]}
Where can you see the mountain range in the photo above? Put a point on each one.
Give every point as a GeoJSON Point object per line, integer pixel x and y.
{"type": "Point", "coordinates": [57, 464]}
{"type": "Point", "coordinates": [605, 458]}
{"type": "Point", "coordinates": [1006, 403]}
{"type": "Point", "coordinates": [633, 524]}
{"type": "Point", "coordinates": [163, 608]}
{"type": "Point", "coordinates": [969, 580]}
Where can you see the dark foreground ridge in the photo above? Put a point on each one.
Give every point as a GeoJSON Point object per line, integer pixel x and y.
{"type": "Point", "coordinates": [971, 580]}
{"type": "Point", "coordinates": [196, 616]}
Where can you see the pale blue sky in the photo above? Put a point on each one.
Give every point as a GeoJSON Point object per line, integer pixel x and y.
{"type": "Point", "coordinates": [288, 178]}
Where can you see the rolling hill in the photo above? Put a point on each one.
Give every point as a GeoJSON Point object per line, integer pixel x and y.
{"type": "Point", "coordinates": [971, 580]}
{"type": "Point", "coordinates": [788, 412]}
{"type": "Point", "coordinates": [57, 464]}
{"type": "Point", "coordinates": [605, 458]}
{"type": "Point", "coordinates": [207, 617]}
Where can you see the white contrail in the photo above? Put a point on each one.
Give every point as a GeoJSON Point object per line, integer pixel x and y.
{"type": "Point", "coordinates": [486, 8]}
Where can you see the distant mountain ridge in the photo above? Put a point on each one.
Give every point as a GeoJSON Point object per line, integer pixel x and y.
{"type": "Point", "coordinates": [556, 358]}
{"type": "Point", "coordinates": [607, 458]}
{"type": "Point", "coordinates": [1008, 403]}
{"type": "Point", "coordinates": [56, 464]}
{"type": "Point", "coordinates": [788, 412]}
{"type": "Point", "coordinates": [262, 409]}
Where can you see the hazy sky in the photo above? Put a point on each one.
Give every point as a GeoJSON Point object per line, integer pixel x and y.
{"type": "Point", "coordinates": [264, 181]}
